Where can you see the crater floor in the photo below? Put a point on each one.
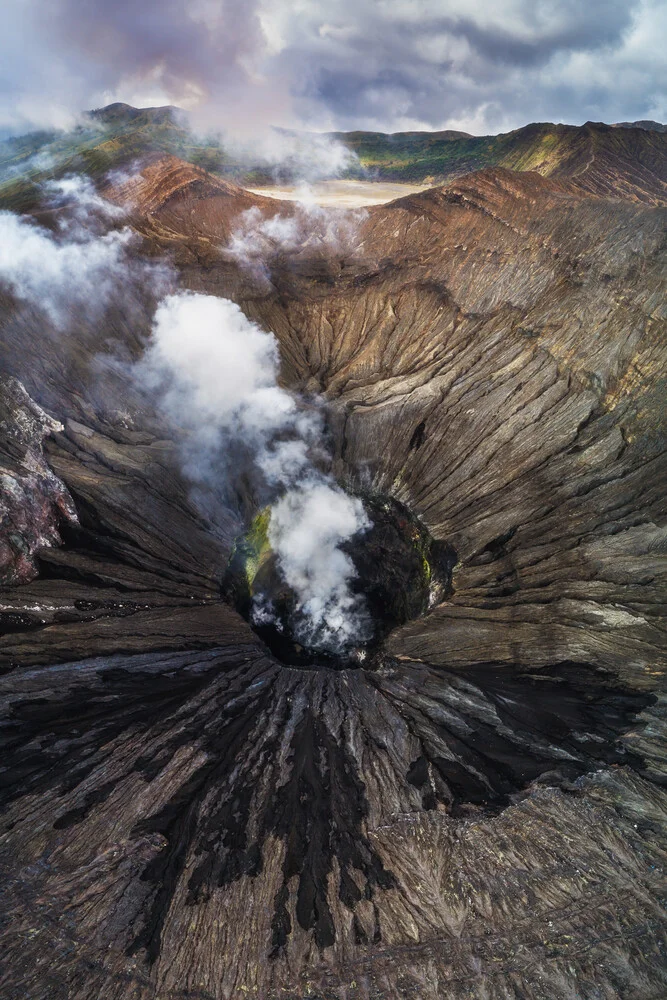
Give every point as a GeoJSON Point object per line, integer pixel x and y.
{"type": "Point", "coordinates": [342, 194]}
{"type": "Point", "coordinates": [400, 571]}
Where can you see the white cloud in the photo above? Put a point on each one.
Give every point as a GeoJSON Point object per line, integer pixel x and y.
{"type": "Point", "coordinates": [58, 275]}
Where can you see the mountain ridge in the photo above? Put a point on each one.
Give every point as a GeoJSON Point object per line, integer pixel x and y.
{"type": "Point", "coordinates": [610, 156]}
{"type": "Point", "coordinates": [624, 160]}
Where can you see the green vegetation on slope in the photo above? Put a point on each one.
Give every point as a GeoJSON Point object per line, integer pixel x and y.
{"type": "Point", "coordinates": [551, 150]}
{"type": "Point", "coordinates": [251, 551]}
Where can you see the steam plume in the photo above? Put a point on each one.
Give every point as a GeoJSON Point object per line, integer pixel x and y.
{"type": "Point", "coordinates": [217, 374]}
{"type": "Point", "coordinates": [256, 239]}
{"type": "Point", "coordinates": [308, 525]}
{"type": "Point", "coordinates": [78, 267]}
{"type": "Point", "coordinates": [55, 274]}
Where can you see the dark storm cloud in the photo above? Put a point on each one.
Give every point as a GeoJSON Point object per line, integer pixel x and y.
{"type": "Point", "coordinates": [583, 26]}
{"type": "Point", "coordinates": [200, 44]}
{"type": "Point", "coordinates": [339, 63]}
{"type": "Point", "coordinates": [489, 65]}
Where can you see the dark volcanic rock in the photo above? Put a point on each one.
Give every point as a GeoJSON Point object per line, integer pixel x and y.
{"type": "Point", "coordinates": [481, 812]}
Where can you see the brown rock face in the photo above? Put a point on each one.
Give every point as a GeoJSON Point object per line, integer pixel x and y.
{"type": "Point", "coordinates": [480, 811]}
{"type": "Point", "coordinates": [182, 195]}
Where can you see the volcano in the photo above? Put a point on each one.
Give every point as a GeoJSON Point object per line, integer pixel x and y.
{"type": "Point", "coordinates": [193, 807]}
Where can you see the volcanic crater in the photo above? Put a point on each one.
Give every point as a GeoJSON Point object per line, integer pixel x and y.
{"type": "Point", "coordinates": [400, 572]}
{"type": "Point", "coordinates": [195, 807]}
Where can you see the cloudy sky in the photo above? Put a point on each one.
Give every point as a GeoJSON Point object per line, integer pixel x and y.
{"type": "Point", "coordinates": [484, 66]}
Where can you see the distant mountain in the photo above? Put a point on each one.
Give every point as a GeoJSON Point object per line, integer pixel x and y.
{"type": "Point", "coordinates": [648, 125]}
{"type": "Point", "coordinates": [419, 139]}
{"type": "Point", "coordinates": [626, 160]}
{"type": "Point", "coordinates": [598, 158]}
{"type": "Point", "coordinates": [120, 113]}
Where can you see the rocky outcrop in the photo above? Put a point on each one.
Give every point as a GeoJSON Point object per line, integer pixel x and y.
{"type": "Point", "coordinates": [479, 812]}
{"type": "Point", "coordinates": [34, 503]}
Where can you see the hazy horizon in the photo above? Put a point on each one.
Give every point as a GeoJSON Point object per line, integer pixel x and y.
{"type": "Point", "coordinates": [82, 115]}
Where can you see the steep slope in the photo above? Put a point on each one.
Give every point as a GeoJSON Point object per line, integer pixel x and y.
{"type": "Point", "coordinates": [477, 813]}
{"type": "Point", "coordinates": [172, 196]}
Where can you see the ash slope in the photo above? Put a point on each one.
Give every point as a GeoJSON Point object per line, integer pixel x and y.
{"type": "Point", "coordinates": [481, 814]}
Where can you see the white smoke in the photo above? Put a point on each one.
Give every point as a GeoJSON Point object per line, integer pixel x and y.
{"type": "Point", "coordinates": [55, 274]}
{"type": "Point", "coordinates": [307, 527]}
{"type": "Point", "coordinates": [37, 163]}
{"type": "Point", "coordinates": [216, 373]}
{"type": "Point", "coordinates": [82, 209]}
{"type": "Point", "coordinates": [285, 154]}
{"type": "Point", "coordinates": [305, 225]}
{"type": "Point", "coordinates": [309, 224]}
{"type": "Point", "coordinates": [82, 265]}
